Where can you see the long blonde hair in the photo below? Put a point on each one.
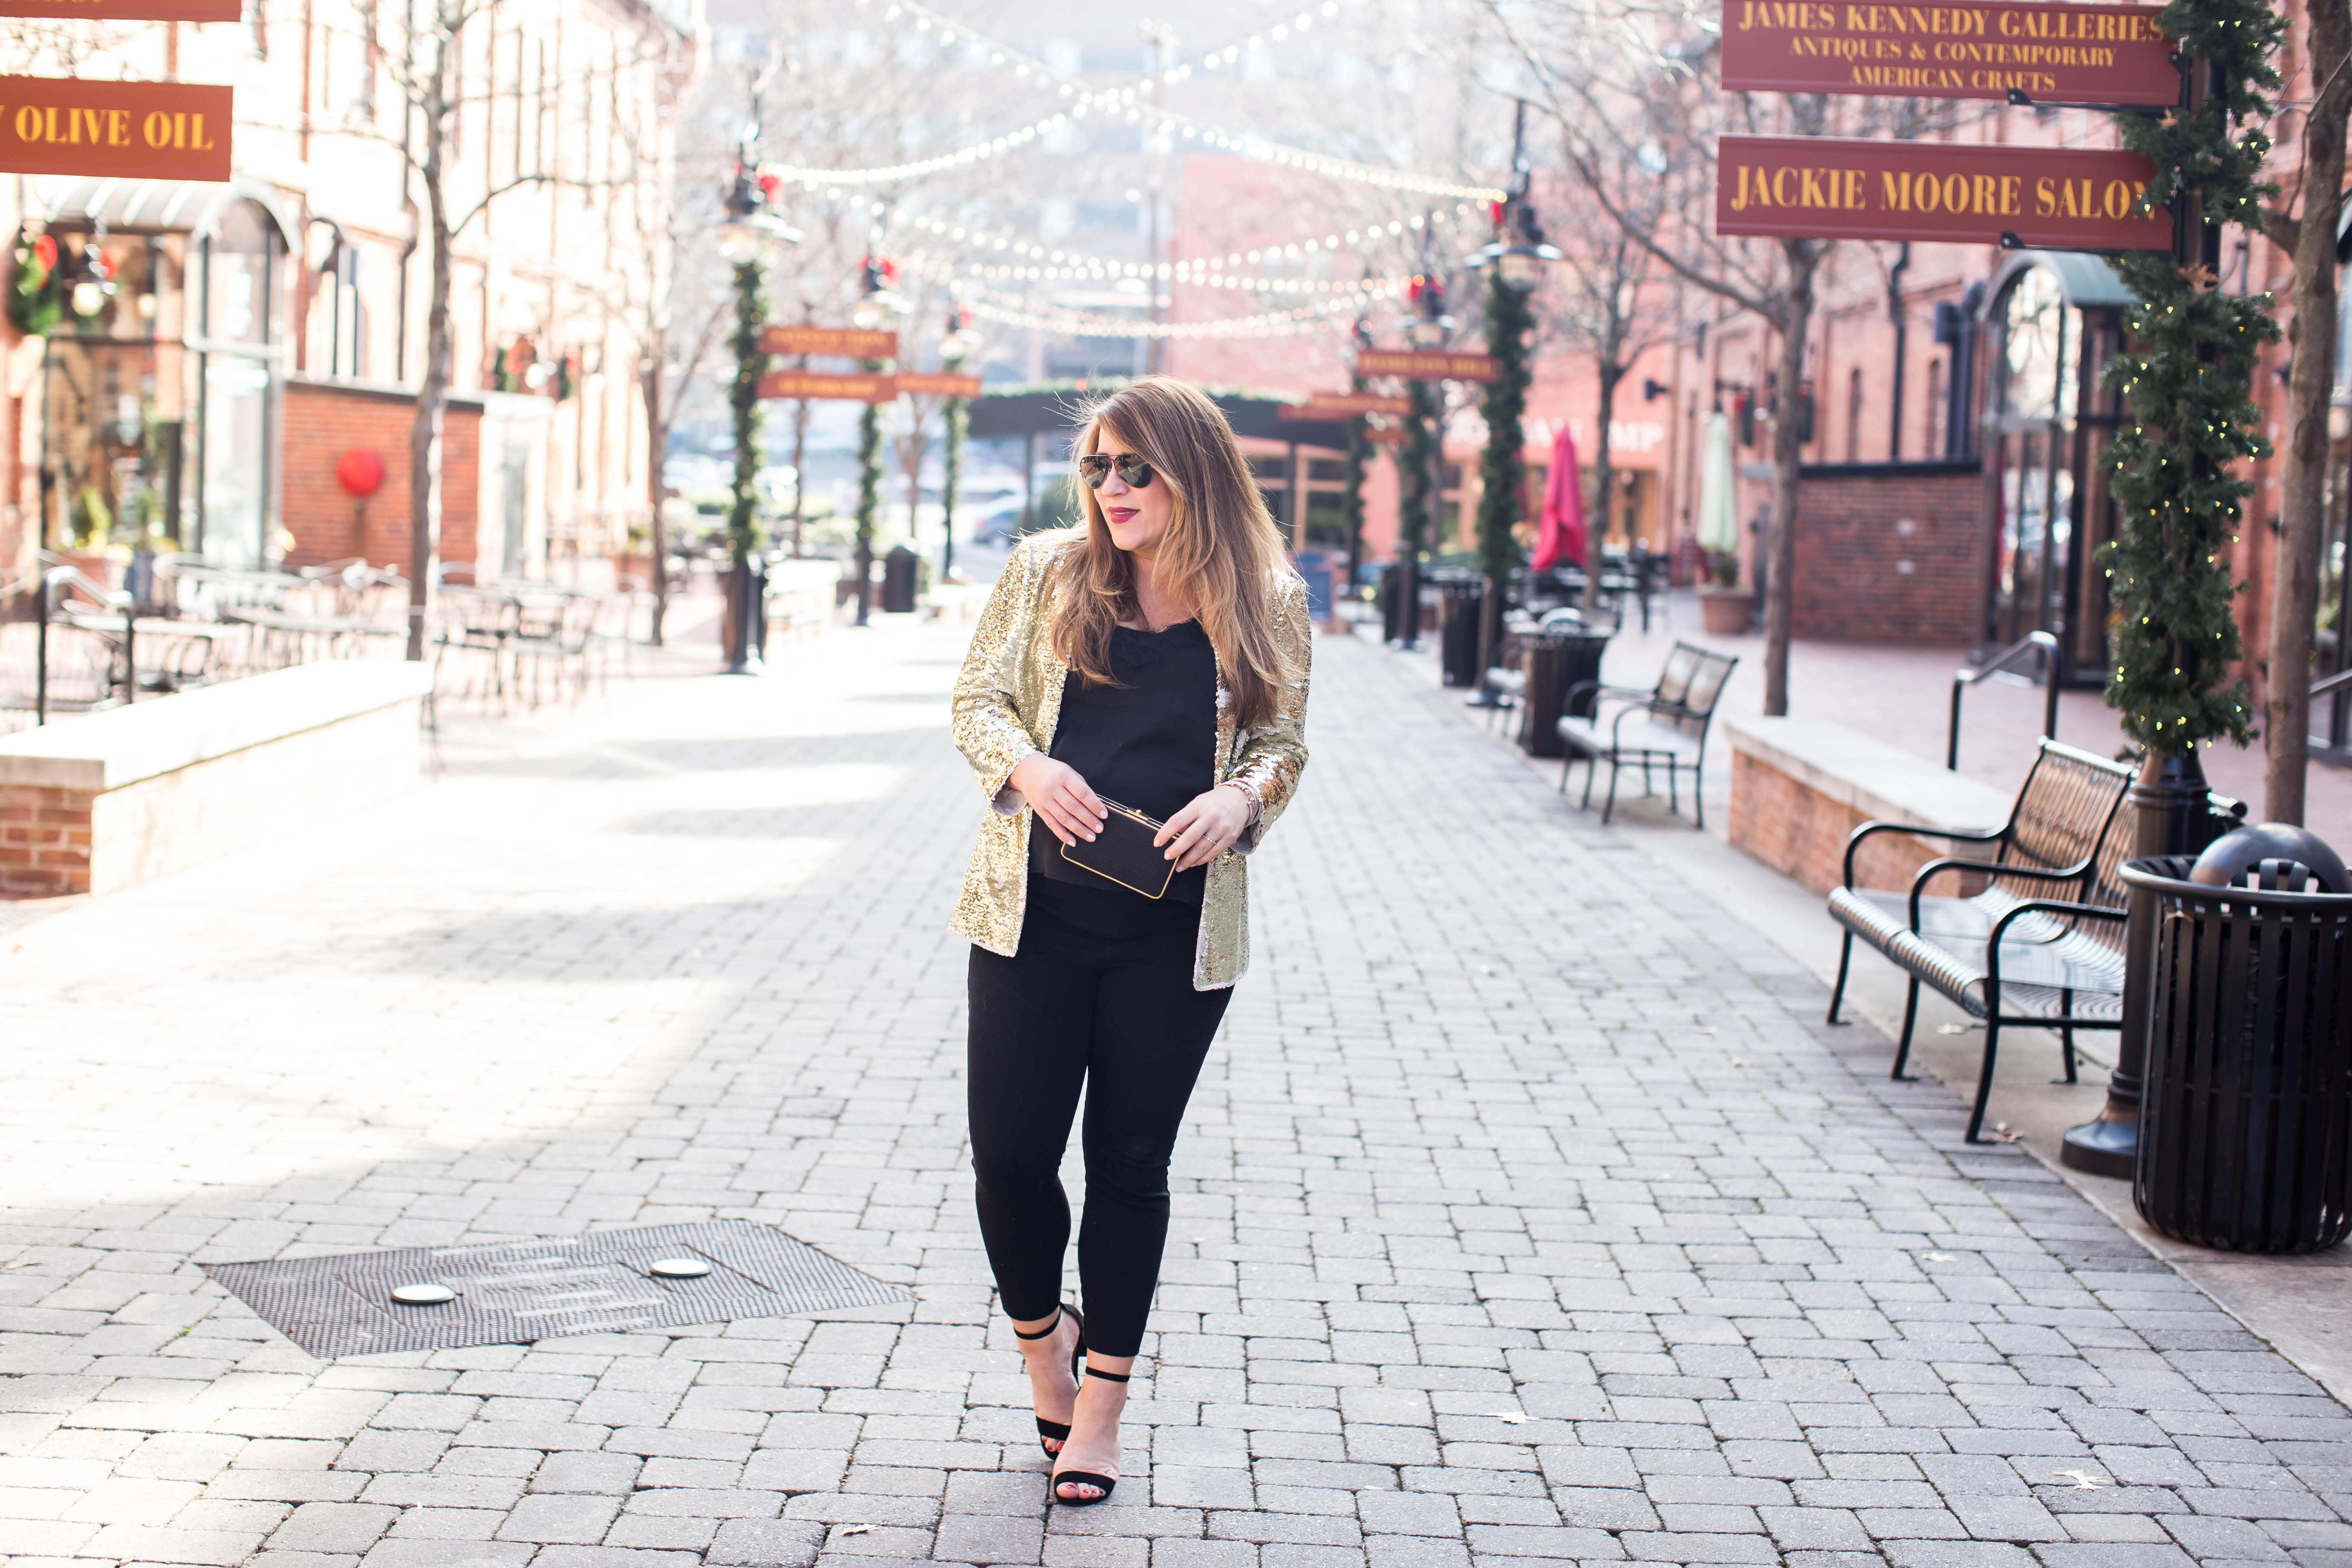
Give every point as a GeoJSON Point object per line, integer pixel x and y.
{"type": "Point", "coordinates": [1221, 556]}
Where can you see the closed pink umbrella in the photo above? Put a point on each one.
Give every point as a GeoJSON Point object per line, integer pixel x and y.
{"type": "Point", "coordinates": [1560, 536]}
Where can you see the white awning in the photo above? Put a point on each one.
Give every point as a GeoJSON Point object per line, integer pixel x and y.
{"type": "Point", "coordinates": [163, 206]}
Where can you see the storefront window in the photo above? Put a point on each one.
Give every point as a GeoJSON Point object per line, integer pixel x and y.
{"type": "Point", "coordinates": [2035, 374]}
{"type": "Point", "coordinates": [159, 388]}
{"type": "Point", "coordinates": [115, 395]}
{"type": "Point", "coordinates": [238, 327]}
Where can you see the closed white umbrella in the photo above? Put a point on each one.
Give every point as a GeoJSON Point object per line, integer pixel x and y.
{"type": "Point", "coordinates": [1717, 528]}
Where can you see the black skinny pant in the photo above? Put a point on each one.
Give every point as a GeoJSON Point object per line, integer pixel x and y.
{"type": "Point", "coordinates": [1117, 1015]}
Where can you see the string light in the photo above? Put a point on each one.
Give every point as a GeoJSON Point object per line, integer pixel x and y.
{"type": "Point", "coordinates": [1016, 310]}
{"type": "Point", "coordinates": [1126, 99]}
{"type": "Point", "coordinates": [1032, 258]}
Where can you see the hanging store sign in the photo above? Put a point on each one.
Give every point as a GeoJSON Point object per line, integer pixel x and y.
{"type": "Point", "coordinates": [867, 388]}
{"type": "Point", "coordinates": [939, 383]}
{"type": "Point", "coordinates": [1416, 365]}
{"type": "Point", "coordinates": [114, 130]}
{"type": "Point", "coordinates": [1818, 187]}
{"type": "Point", "coordinates": [852, 342]}
{"type": "Point", "coordinates": [1384, 434]}
{"type": "Point", "coordinates": [126, 10]}
{"type": "Point", "coordinates": [2057, 52]}
{"type": "Point", "coordinates": [1329, 405]}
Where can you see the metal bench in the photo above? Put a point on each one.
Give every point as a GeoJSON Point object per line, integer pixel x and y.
{"type": "Point", "coordinates": [2040, 943]}
{"type": "Point", "coordinates": [1665, 727]}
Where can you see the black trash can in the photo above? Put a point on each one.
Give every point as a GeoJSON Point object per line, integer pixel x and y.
{"type": "Point", "coordinates": [1555, 662]}
{"type": "Point", "coordinates": [1460, 598]}
{"type": "Point", "coordinates": [899, 582]}
{"type": "Point", "coordinates": [2245, 1138]}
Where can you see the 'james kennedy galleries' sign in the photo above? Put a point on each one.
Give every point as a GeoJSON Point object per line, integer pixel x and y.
{"type": "Point", "coordinates": [2056, 51]}
{"type": "Point", "coordinates": [121, 130]}
{"type": "Point", "coordinates": [1827, 188]}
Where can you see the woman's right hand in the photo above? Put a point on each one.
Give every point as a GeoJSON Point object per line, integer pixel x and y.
{"type": "Point", "coordinates": [1059, 796]}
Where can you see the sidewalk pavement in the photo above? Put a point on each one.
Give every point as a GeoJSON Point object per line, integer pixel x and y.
{"type": "Point", "coordinates": [1526, 1212]}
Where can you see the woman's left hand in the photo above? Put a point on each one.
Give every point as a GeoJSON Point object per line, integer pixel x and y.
{"type": "Point", "coordinates": [1205, 827]}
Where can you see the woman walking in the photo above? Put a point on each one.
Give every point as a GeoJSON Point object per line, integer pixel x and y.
{"type": "Point", "coordinates": [1150, 662]}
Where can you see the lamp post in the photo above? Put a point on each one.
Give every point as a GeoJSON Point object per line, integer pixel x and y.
{"type": "Point", "coordinates": [878, 305]}
{"type": "Point", "coordinates": [749, 229]}
{"type": "Point", "coordinates": [957, 346]}
{"type": "Point", "coordinates": [1515, 264]}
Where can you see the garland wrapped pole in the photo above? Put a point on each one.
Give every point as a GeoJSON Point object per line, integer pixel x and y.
{"type": "Point", "coordinates": [869, 499]}
{"type": "Point", "coordinates": [1417, 461]}
{"type": "Point", "coordinates": [742, 512]}
{"type": "Point", "coordinates": [1502, 469]}
{"type": "Point", "coordinates": [2179, 497]}
{"type": "Point", "coordinates": [1515, 265]}
{"type": "Point", "coordinates": [1351, 494]}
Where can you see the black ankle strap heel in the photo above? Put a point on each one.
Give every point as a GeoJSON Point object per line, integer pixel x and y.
{"type": "Point", "coordinates": [1053, 1432]}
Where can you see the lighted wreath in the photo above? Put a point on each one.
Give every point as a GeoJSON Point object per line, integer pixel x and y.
{"type": "Point", "coordinates": [37, 303]}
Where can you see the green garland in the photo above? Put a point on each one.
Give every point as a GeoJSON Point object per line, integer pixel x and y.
{"type": "Point", "coordinates": [1503, 471]}
{"type": "Point", "coordinates": [950, 480]}
{"type": "Point", "coordinates": [743, 398]}
{"type": "Point", "coordinates": [1417, 511]}
{"type": "Point", "coordinates": [2184, 381]}
{"type": "Point", "coordinates": [1351, 492]}
{"type": "Point", "coordinates": [870, 495]}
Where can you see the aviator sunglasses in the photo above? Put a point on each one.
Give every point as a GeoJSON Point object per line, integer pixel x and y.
{"type": "Point", "coordinates": [1095, 468]}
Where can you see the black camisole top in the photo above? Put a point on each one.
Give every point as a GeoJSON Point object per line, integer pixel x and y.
{"type": "Point", "coordinates": [1150, 743]}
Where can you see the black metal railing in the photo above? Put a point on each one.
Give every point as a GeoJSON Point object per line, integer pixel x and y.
{"type": "Point", "coordinates": [68, 644]}
{"type": "Point", "coordinates": [2334, 747]}
{"type": "Point", "coordinates": [2004, 664]}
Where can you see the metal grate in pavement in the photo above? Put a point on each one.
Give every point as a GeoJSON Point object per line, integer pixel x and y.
{"type": "Point", "coordinates": [516, 1291]}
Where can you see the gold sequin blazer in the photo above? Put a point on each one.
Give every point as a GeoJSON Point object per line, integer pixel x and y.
{"type": "Point", "coordinates": [1007, 701]}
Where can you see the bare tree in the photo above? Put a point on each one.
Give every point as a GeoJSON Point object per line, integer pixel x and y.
{"type": "Point", "coordinates": [2309, 236]}
{"type": "Point", "coordinates": [427, 73]}
{"type": "Point", "coordinates": [1621, 81]}
{"type": "Point", "coordinates": [1615, 310]}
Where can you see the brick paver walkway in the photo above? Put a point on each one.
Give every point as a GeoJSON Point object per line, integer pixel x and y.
{"type": "Point", "coordinates": [1525, 1214]}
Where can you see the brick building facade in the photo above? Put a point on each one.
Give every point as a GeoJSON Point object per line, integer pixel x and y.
{"type": "Point", "coordinates": [327, 419]}
{"type": "Point", "coordinates": [1889, 551]}
{"type": "Point", "coordinates": [247, 333]}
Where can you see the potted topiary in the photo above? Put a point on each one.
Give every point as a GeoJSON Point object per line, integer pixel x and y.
{"type": "Point", "coordinates": [1726, 608]}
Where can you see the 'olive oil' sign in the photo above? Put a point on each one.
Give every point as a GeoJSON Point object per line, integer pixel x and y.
{"type": "Point", "coordinates": [118, 129]}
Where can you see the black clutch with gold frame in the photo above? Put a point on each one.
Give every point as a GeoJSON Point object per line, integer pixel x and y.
{"type": "Point", "coordinates": [1123, 852]}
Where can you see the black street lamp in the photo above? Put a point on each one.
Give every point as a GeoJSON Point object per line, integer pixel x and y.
{"type": "Point", "coordinates": [748, 232]}
{"type": "Point", "coordinates": [955, 349]}
{"type": "Point", "coordinates": [878, 305]}
{"type": "Point", "coordinates": [1428, 327]}
{"type": "Point", "coordinates": [1515, 264]}
{"type": "Point", "coordinates": [750, 229]}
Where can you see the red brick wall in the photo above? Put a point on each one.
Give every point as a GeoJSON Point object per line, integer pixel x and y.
{"type": "Point", "coordinates": [45, 841]}
{"type": "Point", "coordinates": [1888, 552]}
{"type": "Point", "coordinates": [323, 421]}
{"type": "Point", "coordinates": [1801, 833]}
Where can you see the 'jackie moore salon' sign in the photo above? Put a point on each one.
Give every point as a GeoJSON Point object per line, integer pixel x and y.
{"type": "Point", "coordinates": [2050, 52]}
{"type": "Point", "coordinates": [1824, 188]}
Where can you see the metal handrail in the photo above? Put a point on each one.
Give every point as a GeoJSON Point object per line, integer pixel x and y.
{"type": "Point", "coordinates": [2340, 680]}
{"type": "Point", "coordinates": [55, 580]}
{"type": "Point", "coordinates": [2000, 664]}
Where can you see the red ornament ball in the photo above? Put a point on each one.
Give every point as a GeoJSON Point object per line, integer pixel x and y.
{"type": "Point", "coordinates": [359, 472]}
